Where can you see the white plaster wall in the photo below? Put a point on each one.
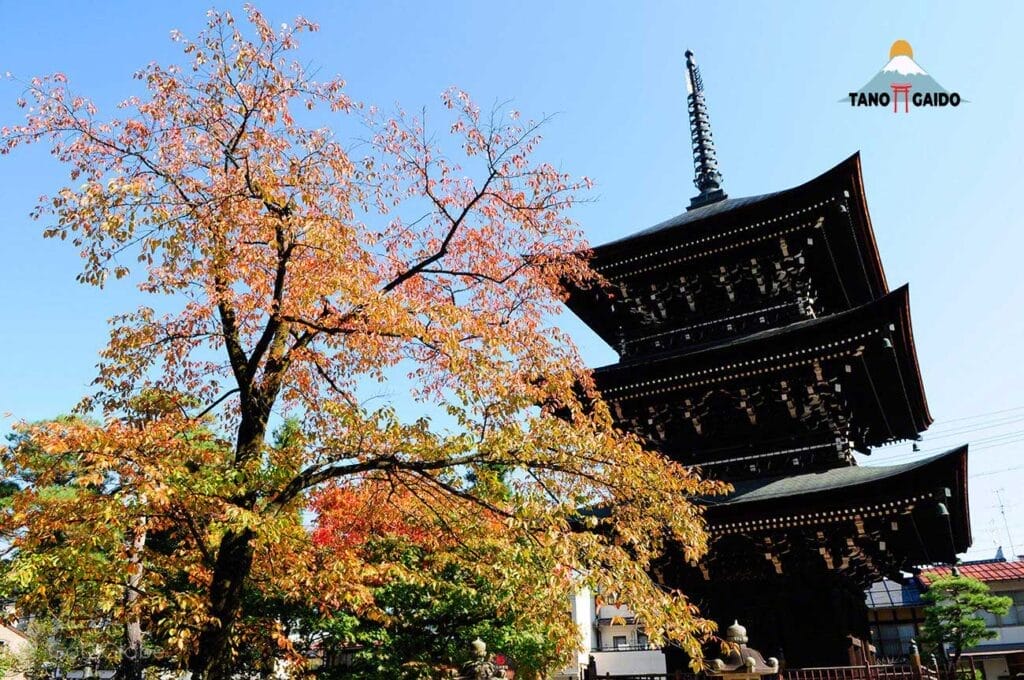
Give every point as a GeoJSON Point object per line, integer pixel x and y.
{"type": "Point", "coordinates": [583, 615]}
{"type": "Point", "coordinates": [630, 663]}
{"type": "Point", "coordinates": [607, 611]}
{"type": "Point", "coordinates": [1004, 636]}
{"type": "Point", "coordinates": [608, 633]}
{"type": "Point", "coordinates": [995, 668]}
{"type": "Point", "coordinates": [582, 604]}
{"type": "Point", "coordinates": [15, 643]}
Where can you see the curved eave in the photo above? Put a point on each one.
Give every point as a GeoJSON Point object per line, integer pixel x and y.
{"type": "Point", "coordinates": [911, 369]}
{"type": "Point", "coordinates": [693, 224]}
{"type": "Point", "coordinates": [900, 389]}
{"type": "Point", "coordinates": [862, 218]}
{"type": "Point", "coordinates": [838, 488]}
{"type": "Point", "coordinates": [844, 182]}
{"type": "Point", "coordinates": [814, 487]}
{"type": "Point", "coordinates": [894, 305]}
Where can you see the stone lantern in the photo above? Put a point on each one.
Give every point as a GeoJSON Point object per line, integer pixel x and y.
{"type": "Point", "coordinates": [480, 667]}
{"type": "Point", "coordinates": [741, 662]}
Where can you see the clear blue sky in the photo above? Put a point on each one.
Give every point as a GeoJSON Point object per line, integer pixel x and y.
{"type": "Point", "coordinates": [943, 186]}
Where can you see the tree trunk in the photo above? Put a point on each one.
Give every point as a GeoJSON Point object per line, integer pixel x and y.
{"type": "Point", "coordinates": [130, 666]}
{"type": "Point", "coordinates": [212, 658]}
{"type": "Point", "coordinates": [954, 671]}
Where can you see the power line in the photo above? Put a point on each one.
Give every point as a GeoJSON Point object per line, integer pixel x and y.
{"type": "Point", "coordinates": [996, 472]}
{"type": "Point", "coordinates": [978, 440]}
{"type": "Point", "coordinates": [937, 433]}
{"type": "Point", "coordinates": [993, 442]}
{"type": "Point", "coordinates": [984, 473]}
{"type": "Point", "coordinates": [952, 426]}
{"type": "Point", "coordinates": [980, 444]}
{"type": "Point", "coordinates": [997, 437]}
{"type": "Point", "coordinates": [982, 415]}
{"type": "Point", "coordinates": [1018, 527]}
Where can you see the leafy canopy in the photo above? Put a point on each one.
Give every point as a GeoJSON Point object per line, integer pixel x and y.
{"type": "Point", "coordinates": [301, 251]}
{"type": "Point", "coordinates": [951, 618]}
{"type": "Point", "coordinates": [440, 591]}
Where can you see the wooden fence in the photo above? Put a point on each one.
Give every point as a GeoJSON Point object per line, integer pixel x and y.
{"type": "Point", "coordinates": [861, 672]}
{"type": "Point", "coordinates": [865, 672]}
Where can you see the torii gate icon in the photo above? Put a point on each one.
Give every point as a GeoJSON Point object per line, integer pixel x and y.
{"type": "Point", "coordinates": [897, 89]}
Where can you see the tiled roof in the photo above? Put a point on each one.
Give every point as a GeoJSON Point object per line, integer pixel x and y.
{"type": "Point", "coordinates": [888, 594]}
{"type": "Point", "coordinates": [696, 215]}
{"type": "Point", "coordinates": [843, 169]}
{"type": "Point", "coordinates": [988, 572]}
{"type": "Point", "coordinates": [827, 481]}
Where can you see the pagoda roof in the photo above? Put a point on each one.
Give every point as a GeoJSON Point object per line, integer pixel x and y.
{"type": "Point", "coordinates": [827, 481]}
{"type": "Point", "coordinates": [833, 495]}
{"type": "Point", "coordinates": [831, 209]}
{"type": "Point", "coordinates": [696, 215]}
{"type": "Point", "coordinates": [659, 375]}
{"type": "Point", "coordinates": [897, 300]}
{"type": "Point", "coordinates": [720, 219]}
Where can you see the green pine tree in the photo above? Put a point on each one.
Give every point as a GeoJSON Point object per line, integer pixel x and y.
{"type": "Point", "coordinates": [952, 620]}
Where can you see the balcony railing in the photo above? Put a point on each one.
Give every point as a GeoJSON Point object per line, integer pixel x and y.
{"type": "Point", "coordinates": [642, 647]}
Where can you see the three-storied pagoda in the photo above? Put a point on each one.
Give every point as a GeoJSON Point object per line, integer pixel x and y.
{"type": "Point", "coordinates": [760, 342]}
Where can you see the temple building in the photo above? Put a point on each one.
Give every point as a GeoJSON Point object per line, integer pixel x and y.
{"type": "Point", "coordinates": [760, 343]}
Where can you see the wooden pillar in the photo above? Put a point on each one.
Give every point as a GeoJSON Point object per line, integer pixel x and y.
{"type": "Point", "coordinates": [915, 660]}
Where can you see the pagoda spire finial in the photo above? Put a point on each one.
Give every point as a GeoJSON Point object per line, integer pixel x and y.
{"type": "Point", "coordinates": [706, 177]}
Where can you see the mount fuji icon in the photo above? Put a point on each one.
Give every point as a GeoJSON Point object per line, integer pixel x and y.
{"type": "Point", "coordinates": [902, 69]}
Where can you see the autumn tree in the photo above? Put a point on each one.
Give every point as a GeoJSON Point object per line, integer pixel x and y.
{"type": "Point", "coordinates": [952, 617]}
{"type": "Point", "coordinates": [296, 268]}
{"type": "Point", "coordinates": [104, 540]}
{"type": "Point", "coordinates": [480, 582]}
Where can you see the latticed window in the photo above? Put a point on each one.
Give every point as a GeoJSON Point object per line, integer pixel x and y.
{"type": "Point", "coordinates": [892, 640]}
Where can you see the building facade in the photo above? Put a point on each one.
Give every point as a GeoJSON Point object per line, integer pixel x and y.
{"type": "Point", "coordinates": [1002, 656]}
{"type": "Point", "coordinates": [613, 641]}
{"type": "Point", "coordinates": [896, 615]}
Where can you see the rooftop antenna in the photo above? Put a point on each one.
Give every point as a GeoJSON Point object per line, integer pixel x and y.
{"type": "Point", "coordinates": [1006, 525]}
{"type": "Point", "coordinates": [706, 177]}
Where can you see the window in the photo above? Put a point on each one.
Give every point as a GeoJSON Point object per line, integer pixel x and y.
{"type": "Point", "coordinates": [619, 642]}
{"type": "Point", "coordinates": [641, 640]}
{"type": "Point", "coordinates": [893, 639]}
{"type": "Point", "coordinates": [1013, 617]}
{"type": "Point", "coordinates": [1010, 618]}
